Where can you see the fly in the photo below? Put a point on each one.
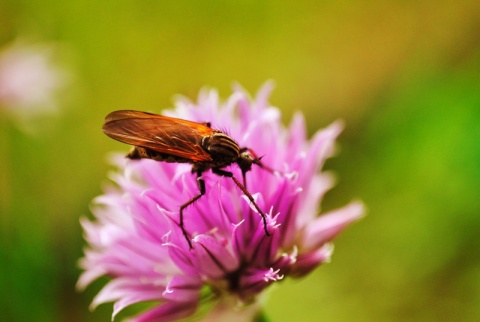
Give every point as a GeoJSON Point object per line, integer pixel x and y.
{"type": "Point", "coordinates": [169, 139]}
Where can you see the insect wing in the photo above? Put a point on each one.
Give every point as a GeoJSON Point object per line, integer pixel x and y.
{"type": "Point", "coordinates": [160, 133]}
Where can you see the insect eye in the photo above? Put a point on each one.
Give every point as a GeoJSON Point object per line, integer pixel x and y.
{"type": "Point", "coordinates": [246, 155]}
{"type": "Point", "coordinates": [245, 161]}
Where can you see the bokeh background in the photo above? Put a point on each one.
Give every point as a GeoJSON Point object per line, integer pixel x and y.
{"type": "Point", "coordinates": [403, 75]}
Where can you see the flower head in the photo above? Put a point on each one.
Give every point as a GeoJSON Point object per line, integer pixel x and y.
{"type": "Point", "coordinates": [30, 78]}
{"type": "Point", "coordinates": [137, 241]}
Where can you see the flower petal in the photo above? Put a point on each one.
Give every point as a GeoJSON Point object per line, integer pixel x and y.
{"type": "Point", "coordinates": [169, 311]}
{"type": "Point", "coordinates": [126, 291]}
{"type": "Point", "coordinates": [306, 262]}
{"type": "Point", "coordinates": [329, 225]}
{"type": "Point", "coordinates": [213, 258]}
{"type": "Point", "coordinates": [255, 280]}
{"type": "Point", "coordinates": [183, 288]}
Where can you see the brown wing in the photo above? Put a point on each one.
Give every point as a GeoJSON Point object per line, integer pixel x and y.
{"type": "Point", "coordinates": [160, 133]}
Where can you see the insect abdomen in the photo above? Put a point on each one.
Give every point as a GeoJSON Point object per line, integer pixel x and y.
{"type": "Point", "coordinates": [144, 153]}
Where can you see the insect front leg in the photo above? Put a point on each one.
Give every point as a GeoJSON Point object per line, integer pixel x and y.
{"type": "Point", "coordinates": [245, 191]}
{"type": "Point", "coordinates": [201, 187]}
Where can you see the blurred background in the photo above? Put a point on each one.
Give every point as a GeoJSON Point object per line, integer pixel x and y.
{"type": "Point", "coordinates": [404, 75]}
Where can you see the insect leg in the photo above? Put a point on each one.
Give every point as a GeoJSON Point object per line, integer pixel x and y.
{"type": "Point", "coordinates": [245, 191]}
{"type": "Point", "coordinates": [201, 187]}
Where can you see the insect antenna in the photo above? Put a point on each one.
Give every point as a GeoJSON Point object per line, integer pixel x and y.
{"type": "Point", "coordinates": [258, 161]}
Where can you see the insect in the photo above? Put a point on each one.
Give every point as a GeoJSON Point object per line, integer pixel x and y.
{"type": "Point", "coordinates": [169, 139]}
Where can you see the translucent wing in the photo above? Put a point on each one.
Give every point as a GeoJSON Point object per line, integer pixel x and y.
{"type": "Point", "coordinates": [159, 133]}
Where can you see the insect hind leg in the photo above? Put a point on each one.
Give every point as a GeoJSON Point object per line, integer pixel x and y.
{"type": "Point", "coordinates": [201, 187]}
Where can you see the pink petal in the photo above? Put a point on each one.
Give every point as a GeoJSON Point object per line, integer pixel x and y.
{"type": "Point", "coordinates": [170, 311]}
{"type": "Point", "coordinates": [183, 288]}
{"type": "Point", "coordinates": [307, 262]}
{"type": "Point", "coordinates": [213, 259]}
{"type": "Point", "coordinates": [255, 280]}
{"type": "Point", "coordinates": [127, 291]}
{"type": "Point", "coordinates": [328, 226]}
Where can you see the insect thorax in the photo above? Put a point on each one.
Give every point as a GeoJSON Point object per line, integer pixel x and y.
{"type": "Point", "coordinates": [221, 147]}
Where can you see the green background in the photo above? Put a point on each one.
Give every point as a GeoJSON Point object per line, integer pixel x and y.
{"type": "Point", "coordinates": [404, 75]}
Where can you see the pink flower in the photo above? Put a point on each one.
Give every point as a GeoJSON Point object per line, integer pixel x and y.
{"type": "Point", "coordinates": [136, 241]}
{"type": "Point", "coordinates": [29, 78]}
